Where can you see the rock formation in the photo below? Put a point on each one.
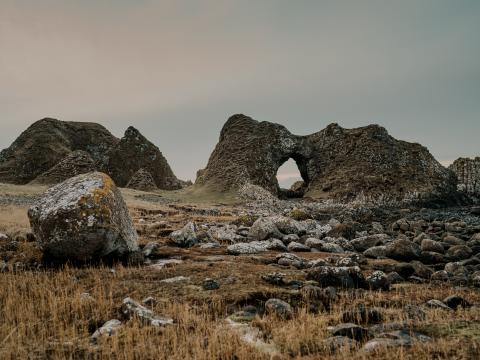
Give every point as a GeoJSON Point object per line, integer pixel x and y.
{"type": "Point", "coordinates": [142, 180]}
{"type": "Point", "coordinates": [468, 174]}
{"type": "Point", "coordinates": [76, 163]}
{"type": "Point", "coordinates": [335, 163]}
{"type": "Point", "coordinates": [83, 218]}
{"type": "Point", "coordinates": [48, 141]}
{"type": "Point", "coordinates": [134, 152]}
{"type": "Point", "coordinates": [50, 151]}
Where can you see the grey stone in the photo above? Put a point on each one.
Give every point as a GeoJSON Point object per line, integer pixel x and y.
{"type": "Point", "coordinates": [185, 237]}
{"type": "Point", "coordinates": [83, 218]}
{"type": "Point", "coordinates": [279, 308]}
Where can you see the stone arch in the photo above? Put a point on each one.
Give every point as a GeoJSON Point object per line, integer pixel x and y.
{"type": "Point", "coordinates": [297, 190]}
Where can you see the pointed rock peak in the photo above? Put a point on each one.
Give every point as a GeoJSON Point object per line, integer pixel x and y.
{"type": "Point", "coordinates": [132, 132]}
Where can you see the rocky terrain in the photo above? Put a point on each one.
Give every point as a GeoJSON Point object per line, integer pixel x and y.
{"type": "Point", "coordinates": [365, 164]}
{"type": "Point", "coordinates": [261, 278]}
{"type": "Point", "coordinates": [51, 151]}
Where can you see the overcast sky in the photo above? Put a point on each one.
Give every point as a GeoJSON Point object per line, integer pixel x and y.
{"type": "Point", "coordinates": [177, 70]}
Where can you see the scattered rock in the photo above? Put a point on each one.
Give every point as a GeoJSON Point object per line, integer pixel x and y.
{"type": "Point", "coordinates": [131, 308]}
{"type": "Point", "coordinates": [210, 284]}
{"type": "Point", "coordinates": [378, 281]}
{"type": "Point", "coordinates": [185, 237]}
{"type": "Point", "coordinates": [107, 329]}
{"type": "Point", "coordinates": [454, 301]}
{"type": "Point", "coordinates": [345, 277]}
{"type": "Point", "coordinates": [279, 308]}
{"type": "Point", "coordinates": [437, 304]}
{"type": "Point", "coordinates": [352, 331]}
{"type": "Point", "coordinates": [297, 247]}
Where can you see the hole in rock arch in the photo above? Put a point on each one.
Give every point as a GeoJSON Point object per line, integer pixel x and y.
{"type": "Point", "coordinates": [288, 175]}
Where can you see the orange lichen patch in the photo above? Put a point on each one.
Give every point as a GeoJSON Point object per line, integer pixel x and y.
{"type": "Point", "coordinates": [97, 198]}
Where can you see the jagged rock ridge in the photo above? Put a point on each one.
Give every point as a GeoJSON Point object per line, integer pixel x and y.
{"type": "Point", "coordinates": [50, 151]}
{"type": "Point", "coordinates": [134, 152]}
{"type": "Point", "coordinates": [335, 163]}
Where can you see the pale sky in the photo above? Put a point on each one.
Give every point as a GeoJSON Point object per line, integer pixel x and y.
{"type": "Point", "coordinates": [177, 70]}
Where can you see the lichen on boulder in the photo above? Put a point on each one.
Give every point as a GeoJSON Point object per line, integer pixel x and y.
{"type": "Point", "coordinates": [84, 218]}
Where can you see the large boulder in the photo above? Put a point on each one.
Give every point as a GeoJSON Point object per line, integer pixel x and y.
{"type": "Point", "coordinates": [365, 163]}
{"type": "Point", "coordinates": [83, 218]}
{"type": "Point", "coordinates": [134, 152]}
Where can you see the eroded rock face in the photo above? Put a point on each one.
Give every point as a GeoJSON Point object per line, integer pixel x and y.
{"type": "Point", "coordinates": [134, 152]}
{"type": "Point", "coordinates": [335, 163]}
{"type": "Point", "coordinates": [142, 180]}
{"type": "Point", "coordinates": [468, 174]}
{"type": "Point", "coordinates": [251, 152]}
{"type": "Point", "coordinates": [83, 218]}
{"type": "Point", "coordinates": [76, 163]}
{"type": "Point", "coordinates": [46, 142]}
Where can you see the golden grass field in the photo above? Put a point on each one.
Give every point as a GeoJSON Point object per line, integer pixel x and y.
{"type": "Point", "coordinates": [43, 314]}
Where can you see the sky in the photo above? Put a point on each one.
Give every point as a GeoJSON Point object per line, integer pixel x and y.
{"type": "Point", "coordinates": [176, 70]}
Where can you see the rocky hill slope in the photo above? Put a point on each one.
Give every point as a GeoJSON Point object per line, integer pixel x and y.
{"type": "Point", "coordinates": [335, 163]}
{"type": "Point", "coordinates": [46, 142]}
{"type": "Point", "coordinates": [50, 151]}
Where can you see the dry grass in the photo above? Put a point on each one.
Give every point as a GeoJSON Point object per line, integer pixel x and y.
{"type": "Point", "coordinates": [43, 315]}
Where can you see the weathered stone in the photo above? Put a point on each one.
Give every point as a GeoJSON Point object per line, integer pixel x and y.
{"type": "Point", "coordinates": [287, 259]}
{"type": "Point", "coordinates": [352, 331]}
{"type": "Point", "coordinates": [378, 280]}
{"type": "Point", "coordinates": [83, 218]}
{"type": "Point", "coordinates": [366, 242]}
{"type": "Point", "coordinates": [458, 252]}
{"type": "Point", "coordinates": [279, 308]}
{"type": "Point", "coordinates": [210, 284]}
{"type": "Point", "coordinates": [252, 247]}
{"type": "Point", "coordinates": [376, 252]}
{"type": "Point", "coordinates": [131, 308]}
{"type": "Point", "coordinates": [432, 245]}
{"type": "Point", "coordinates": [401, 249]}
{"type": "Point", "coordinates": [107, 329]}
{"type": "Point", "coordinates": [185, 237]}
{"type": "Point", "coordinates": [345, 277]}
{"type": "Point", "coordinates": [297, 247]}
{"type": "Point", "coordinates": [437, 304]}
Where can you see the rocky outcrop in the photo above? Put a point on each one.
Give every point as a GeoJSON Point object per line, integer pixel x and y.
{"type": "Point", "coordinates": [365, 163]}
{"type": "Point", "coordinates": [76, 163]}
{"type": "Point", "coordinates": [468, 174]}
{"type": "Point", "coordinates": [142, 180]}
{"type": "Point", "coordinates": [46, 142]}
{"type": "Point", "coordinates": [134, 152]}
{"type": "Point", "coordinates": [50, 151]}
{"type": "Point", "coordinates": [83, 218]}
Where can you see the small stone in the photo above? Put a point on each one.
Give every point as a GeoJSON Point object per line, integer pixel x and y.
{"type": "Point", "coordinates": [459, 252]}
{"type": "Point", "coordinates": [454, 301]}
{"type": "Point", "coordinates": [149, 301]}
{"type": "Point", "coordinates": [432, 245]}
{"type": "Point", "coordinates": [352, 331]}
{"type": "Point", "coordinates": [107, 329]}
{"type": "Point", "coordinates": [210, 284]}
{"type": "Point", "coordinates": [275, 278]}
{"type": "Point", "coordinates": [185, 237]}
{"type": "Point", "coordinates": [414, 312]}
{"type": "Point", "coordinates": [437, 304]}
{"type": "Point", "coordinates": [378, 280]}
{"type": "Point", "coordinates": [279, 308]}
{"type": "Point", "coordinates": [287, 259]}
{"type": "Point", "coordinates": [131, 308]}
{"type": "Point", "coordinates": [297, 247]}
{"type": "Point", "coordinates": [394, 278]}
